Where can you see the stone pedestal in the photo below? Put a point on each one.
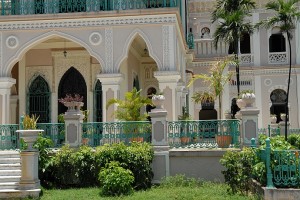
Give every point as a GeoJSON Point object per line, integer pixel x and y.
{"type": "Point", "coordinates": [29, 175]}
{"type": "Point", "coordinates": [282, 127]}
{"type": "Point", "coordinates": [249, 125]}
{"type": "Point", "coordinates": [160, 144]}
{"type": "Point", "coordinates": [73, 129]}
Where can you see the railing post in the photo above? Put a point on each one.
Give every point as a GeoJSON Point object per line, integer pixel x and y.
{"type": "Point", "coordinates": [73, 128]}
{"type": "Point", "coordinates": [249, 125]}
{"type": "Point", "coordinates": [268, 164]}
{"type": "Point", "coordinates": [160, 144]}
{"type": "Point", "coordinates": [253, 144]}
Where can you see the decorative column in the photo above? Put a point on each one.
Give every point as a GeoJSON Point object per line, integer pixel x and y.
{"type": "Point", "coordinates": [5, 85]}
{"type": "Point", "coordinates": [161, 162]}
{"type": "Point", "coordinates": [249, 124]}
{"type": "Point", "coordinates": [168, 82]}
{"type": "Point", "coordinates": [73, 128]}
{"type": "Point", "coordinates": [110, 89]}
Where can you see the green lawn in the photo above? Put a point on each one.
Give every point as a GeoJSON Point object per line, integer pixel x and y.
{"type": "Point", "coordinates": [207, 191]}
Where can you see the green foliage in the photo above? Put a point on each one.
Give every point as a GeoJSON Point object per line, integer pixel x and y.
{"type": "Point", "coordinates": [179, 180]}
{"type": "Point", "coordinates": [259, 173]}
{"type": "Point", "coordinates": [45, 159]}
{"type": "Point", "coordinates": [80, 168]}
{"type": "Point", "coordinates": [29, 122]}
{"type": "Point", "coordinates": [239, 166]}
{"type": "Point", "coordinates": [129, 109]}
{"type": "Point", "coordinates": [137, 158]}
{"type": "Point", "coordinates": [294, 140]}
{"type": "Point", "coordinates": [203, 97]}
{"type": "Point", "coordinates": [276, 143]}
{"type": "Point", "coordinates": [115, 180]}
{"type": "Point", "coordinates": [185, 115]}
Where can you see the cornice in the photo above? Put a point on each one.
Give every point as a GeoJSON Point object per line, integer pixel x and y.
{"type": "Point", "coordinates": [87, 22]}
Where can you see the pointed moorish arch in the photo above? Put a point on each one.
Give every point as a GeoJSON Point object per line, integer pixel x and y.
{"type": "Point", "coordinates": [33, 42]}
{"type": "Point", "coordinates": [78, 86]}
{"type": "Point", "coordinates": [129, 41]}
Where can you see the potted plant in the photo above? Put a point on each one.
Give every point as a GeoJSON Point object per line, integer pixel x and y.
{"type": "Point", "coordinates": [217, 78]}
{"type": "Point", "coordinates": [72, 102]}
{"type": "Point", "coordinates": [184, 130]}
{"type": "Point", "coordinates": [158, 100]}
{"type": "Point", "coordinates": [283, 116]}
{"type": "Point", "coordinates": [273, 118]}
{"type": "Point", "coordinates": [248, 97]}
{"type": "Point", "coordinates": [29, 133]}
{"type": "Point", "coordinates": [129, 109]}
{"type": "Point", "coordinates": [206, 99]}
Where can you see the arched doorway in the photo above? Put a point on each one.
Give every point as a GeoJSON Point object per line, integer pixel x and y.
{"type": "Point", "coordinates": [72, 83]}
{"type": "Point", "coordinates": [98, 102]}
{"type": "Point", "coordinates": [39, 99]}
{"type": "Point", "coordinates": [278, 99]}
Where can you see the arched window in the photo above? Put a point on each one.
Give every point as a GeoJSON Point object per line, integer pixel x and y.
{"type": "Point", "coordinates": [205, 32]}
{"type": "Point", "coordinates": [39, 99]}
{"type": "Point", "coordinates": [245, 46]}
{"type": "Point", "coordinates": [136, 83]}
{"type": "Point", "coordinates": [277, 41]}
{"type": "Point", "coordinates": [278, 99]}
{"type": "Point", "coordinates": [98, 102]}
{"type": "Point", "coordinates": [72, 83]}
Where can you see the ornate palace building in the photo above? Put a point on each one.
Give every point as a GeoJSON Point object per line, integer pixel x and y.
{"type": "Point", "coordinates": [101, 49]}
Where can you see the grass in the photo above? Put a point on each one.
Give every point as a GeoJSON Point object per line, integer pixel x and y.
{"type": "Point", "coordinates": [207, 191]}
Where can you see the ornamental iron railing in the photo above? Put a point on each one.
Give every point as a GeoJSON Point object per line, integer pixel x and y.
{"type": "Point", "coordinates": [9, 139]}
{"type": "Point", "coordinates": [99, 133]}
{"type": "Point", "coordinates": [53, 131]}
{"type": "Point", "coordinates": [204, 134]}
{"type": "Point", "coordinates": [270, 132]}
{"type": "Point", "coordinates": [29, 7]}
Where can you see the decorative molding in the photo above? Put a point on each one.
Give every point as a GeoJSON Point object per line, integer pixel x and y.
{"type": "Point", "coordinates": [268, 82]}
{"type": "Point", "coordinates": [282, 87]}
{"type": "Point", "coordinates": [87, 22]}
{"type": "Point", "coordinates": [1, 54]}
{"type": "Point", "coordinates": [12, 42]}
{"type": "Point", "coordinates": [95, 38]}
{"type": "Point", "coordinates": [109, 50]}
{"type": "Point", "coordinates": [166, 47]}
{"type": "Point", "coordinates": [34, 71]}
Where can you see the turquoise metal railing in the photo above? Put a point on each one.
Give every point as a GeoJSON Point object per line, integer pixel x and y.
{"type": "Point", "coordinates": [271, 132]}
{"type": "Point", "coordinates": [53, 131]}
{"type": "Point", "coordinates": [26, 7]}
{"type": "Point", "coordinates": [190, 40]}
{"type": "Point", "coordinates": [9, 139]}
{"type": "Point", "coordinates": [294, 131]}
{"type": "Point", "coordinates": [203, 133]}
{"type": "Point", "coordinates": [99, 133]}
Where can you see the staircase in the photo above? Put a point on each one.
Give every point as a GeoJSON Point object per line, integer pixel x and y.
{"type": "Point", "coordinates": [10, 174]}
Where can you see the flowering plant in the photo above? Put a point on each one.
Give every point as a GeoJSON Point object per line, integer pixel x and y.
{"type": "Point", "coordinates": [70, 98]}
{"type": "Point", "coordinates": [248, 94]}
{"type": "Point", "coordinates": [158, 97]}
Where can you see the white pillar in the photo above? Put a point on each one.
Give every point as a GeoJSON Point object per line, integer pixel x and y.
{"type": "Point", "coordinates": [256, 41]}
{"type": "Point", "coordinates": [259, 100]}
{"type": "Point", "coordinates": [5, 85]}
{"type": "Point", "coordinates": [168, 82]}
{"type": "Point", "coordinates": [298, 97]}
{"type": "Point", "coordinates": [110, 83]}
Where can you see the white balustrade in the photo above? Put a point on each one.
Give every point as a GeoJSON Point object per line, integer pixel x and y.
{"type": "Point", "coordinates": [278, 58]}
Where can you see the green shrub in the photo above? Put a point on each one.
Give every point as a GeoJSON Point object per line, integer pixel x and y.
{"type": "Point", "coordinates": [137, 158]}
{"type": "Point", "coordinates": [260, 173]}
{"type": "Point", "coordinates": [115, 180]}
{"type": "Point", "coordinates": [180, 180]}
{"type": "Point", "coordinates": [238, 171]}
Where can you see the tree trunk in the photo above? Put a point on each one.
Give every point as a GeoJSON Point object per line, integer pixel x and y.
{"type": "Point", "coordinates": [288, 89]}
{"type": "Point", "coordinates": [220, 106]}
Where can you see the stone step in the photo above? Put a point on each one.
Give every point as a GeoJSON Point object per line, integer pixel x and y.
{"type": "Point", "coordinates": [9, 185]}
{"type": "Point", "coordinates": [10, 160]}
{"type": "Point", "coordinates": [15, 172]}
{"type": "Point", "coordinates": [11, 166]}
{"type": "Point", "coordinates": [9, 154]}
{"type": "Point", "coordinates": [14, 193]}
{"type": "Point", "coordinates": [4, 179]}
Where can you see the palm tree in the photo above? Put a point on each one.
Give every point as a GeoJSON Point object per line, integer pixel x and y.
{"type": "Point", "coordinates": [231, 16]}
{"type": "Point", "coordinates": [216, 78]}
{"type": "Point", "coordinates": [129, 109]}
{"type": "Point", "coordinates": [285, 17]}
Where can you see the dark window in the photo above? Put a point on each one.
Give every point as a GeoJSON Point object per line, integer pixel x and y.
{"type": "Point", "coordinates": [277, 43]}
{"type": "Point", "coordinates": [278, 99]}
{"type": "Point", "coordinates": [39, 99]}
{"type": "Point", "coordinates": [98, 102]}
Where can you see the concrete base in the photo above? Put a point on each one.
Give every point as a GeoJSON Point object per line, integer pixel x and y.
{"type": "Point", "coordinates": [198, 163]}
{"type": "Point", "coordinates": [13, 194]}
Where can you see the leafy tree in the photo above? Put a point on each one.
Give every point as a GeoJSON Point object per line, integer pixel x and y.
{"type": "Point", "coordinates": [216, 78]}
{"type": "Point", "coordinates": [129, 109]}
{"type": "Point", "coordinates": [231, 16]}
{"type": "Point", "coordinates": [285, 17]}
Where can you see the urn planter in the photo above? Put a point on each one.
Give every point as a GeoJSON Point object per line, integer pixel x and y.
{"type": "Point", "coordinates": [158, 101]}
{"type": "Point", "coordinates": [30, 137]}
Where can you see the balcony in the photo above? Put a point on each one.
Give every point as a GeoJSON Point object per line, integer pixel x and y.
{"type": "Point", "coordinates": [204, 48]}
{"type": "Point", "coordinates": [31, 7]}
{"type": "Point", "coordinates": [278, 58]}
